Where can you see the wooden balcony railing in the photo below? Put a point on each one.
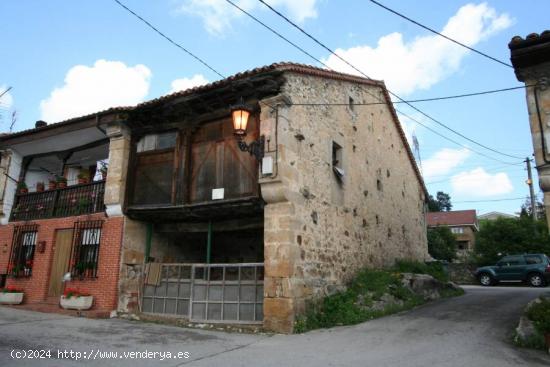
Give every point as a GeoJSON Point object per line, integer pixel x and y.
{"type": "Point", "coordinates": [73, 200]}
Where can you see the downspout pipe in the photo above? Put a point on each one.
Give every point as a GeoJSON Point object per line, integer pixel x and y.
{"type": "Point", "coordinates": [537, 106]}
{"type": "Point", "coordinates": [148, 240]}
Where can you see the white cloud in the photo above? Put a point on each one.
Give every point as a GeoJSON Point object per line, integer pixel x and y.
{"type": "Point", "coordinates": [426, 60]}
{"type": "Point", "coordinates": [186, 83]}
{"type": "Point", "coordinates": [89, 89]}
{"type": "Point", "coordinates": [6, 101]}
{"type": "Point", "coordinates": [444, 161]}
{"type": "Point", "coordinates": [478, 182]}
{"type": "Point", "coordinates": [218, 15]}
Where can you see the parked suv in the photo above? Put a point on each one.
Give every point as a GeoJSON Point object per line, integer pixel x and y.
{"type": "Point", "coordinates": [531, 268]}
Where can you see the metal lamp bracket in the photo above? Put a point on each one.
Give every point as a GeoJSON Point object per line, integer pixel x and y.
{"type": "Point", "coordinates": [255, 148]}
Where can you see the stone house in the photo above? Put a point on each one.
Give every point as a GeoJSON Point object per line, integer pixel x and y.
{"type": "Point", "coordinates": [220, 221]}
{"type": "Point", "coordinates": [462, 223]}
{"type": "Point", "coordinates": [531, 60]}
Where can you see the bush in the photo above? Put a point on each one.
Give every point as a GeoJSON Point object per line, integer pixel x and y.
{"type": "Point", "coordinates": [508, 236]}
{"type": "Point", "coordinates": [539, 313]}
{"type": "Point", "coordinates": [441, 243]}
{"type": "Point", "coordinates": [435, 269]}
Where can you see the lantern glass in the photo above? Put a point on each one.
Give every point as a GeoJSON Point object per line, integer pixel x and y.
{"type": "Point", "coordinates": [240, 120]}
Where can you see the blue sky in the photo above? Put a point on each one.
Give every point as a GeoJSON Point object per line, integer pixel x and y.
{"type": "Point", "coordinates": [68, 58]}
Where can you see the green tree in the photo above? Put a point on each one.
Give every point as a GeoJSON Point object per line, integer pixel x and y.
{"type": "Point", "coordinates": [441, 202]}
{"type": "Point", "coordinates": [508, 236]}
{"type": "Point", "coordinates": [441, 243]}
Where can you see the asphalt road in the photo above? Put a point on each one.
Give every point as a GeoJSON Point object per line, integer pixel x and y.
{"type": "Point", "coordinates": [472, 330]}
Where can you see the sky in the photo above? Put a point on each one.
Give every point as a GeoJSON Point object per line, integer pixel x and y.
{"type": "Point", "coordinates": [69, 58]}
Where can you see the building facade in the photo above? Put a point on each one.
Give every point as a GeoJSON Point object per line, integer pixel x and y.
{"type": "Point", "coordinates": [531, 60]}
{"type": "Point", "coordinates": [462, 223]}
{"type": "Point", "coordinates": [217, 224]}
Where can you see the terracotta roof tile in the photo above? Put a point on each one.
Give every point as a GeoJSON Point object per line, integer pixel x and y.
{"type": "Point", "coordinates": [451, 218]}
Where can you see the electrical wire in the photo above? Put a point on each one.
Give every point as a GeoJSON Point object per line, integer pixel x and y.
{"type": "Point", "coordinates": [490, 200]}
{"type": "Point", "coordinates": [169, 39]}
{"type": "Point", "coordinates": [361, 72]}
{"type": "Point", "coordinates": [438, 33]}
{"type": "Point", "coordinates": [473, 94]}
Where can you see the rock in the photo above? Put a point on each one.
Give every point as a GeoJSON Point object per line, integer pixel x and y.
{"type": "Point", "coordinates": [426, 285]}
{"type": "Point", "coordinates": [385, 301]}
{"type": "Point", "coordinates": [525, 330]}
{"type": "Point", "coordinates": [333, 289]}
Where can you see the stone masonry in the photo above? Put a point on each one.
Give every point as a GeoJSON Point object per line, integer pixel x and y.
{"type": "Point", "coordinates": [320, 230]}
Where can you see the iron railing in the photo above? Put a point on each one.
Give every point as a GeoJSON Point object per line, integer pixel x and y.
{"type": "Point", "coordinates": [66, 202]}
{"type": "Point", "coordinates": [213, 293]}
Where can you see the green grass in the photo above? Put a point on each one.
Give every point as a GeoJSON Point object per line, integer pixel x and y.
{"type": "Point", "coordinates": [435, 269]}
{"type": "Point", "coordinates": [354, 305]}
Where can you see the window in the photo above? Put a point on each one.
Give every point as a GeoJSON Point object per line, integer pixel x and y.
{"type": "Point", "coordinates": [462, 245]}
{"type": "Point", "coordinates": [351, 104]}
{"type": "Point", "coordinates": [85, 255]}
{"type": "Point", "coordinates": [531, 260]}
{"type": "Point", "coordinates": [22, 253]}
{"type": "Point", "coordinates": [154, 169]}
{"type": "Point", "coordinates": [157, 142]}
{"type": "Point", "coordinates": [337, 164]}
{"type": "Point", "coordinates": [457, 230]}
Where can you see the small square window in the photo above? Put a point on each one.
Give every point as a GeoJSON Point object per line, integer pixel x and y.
{"type": "Point", "coordinates": [337, 165]}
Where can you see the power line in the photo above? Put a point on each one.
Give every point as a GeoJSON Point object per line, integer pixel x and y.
{"type": "Point", "coordinates": [438, 33]}
{"type": "Point", "coordinates": [169, 39]}
{"type": "Point", "coordinates": [473, 94]}
{"type": "Point", "coordinates": [361, 72]}
{"type": "Point", "coordinates": [4, 92]}
{"type": "Point", "coordinates": [491, 200]}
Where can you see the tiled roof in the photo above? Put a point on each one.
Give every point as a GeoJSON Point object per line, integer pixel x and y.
{"type": "Point", "coordinates": [458, 217]}
{"type": "Point", "coordinates": [282, 66]}
{"type": "Point", "coordinates": [530, 40]}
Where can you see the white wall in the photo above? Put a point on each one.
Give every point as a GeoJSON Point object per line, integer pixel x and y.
{"type": "Point", "coordinates": [11, 186]}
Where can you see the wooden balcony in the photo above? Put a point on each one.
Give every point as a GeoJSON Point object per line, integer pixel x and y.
{"type": "Point", "coordinates": [73, 200]}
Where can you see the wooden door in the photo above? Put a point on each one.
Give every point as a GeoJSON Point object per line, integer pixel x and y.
{"type": "Point", "coordinates": [217, 162]}
{"type": "Point", "coordinates": [60, 262]}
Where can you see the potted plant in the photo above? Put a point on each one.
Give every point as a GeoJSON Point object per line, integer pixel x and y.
{"type": "Point", "coordinates": [22, 187]}
{"type": "Point", "coordinates": [103, 170]}
{"type": "Point", "coordinates": [83, 176]}
{"type": "Point", "coordinates": [11, 295]}
{"type": "Point", "coordinates": [40, 186]}
{"type": "Point", "coordinates": [539, 313]}
{"type": "Point", "coordinates": [74, 299]}
{"type": "Point", "coordinates": [52, 184]}
{"type": "Point", "coordinates": [61, 182]}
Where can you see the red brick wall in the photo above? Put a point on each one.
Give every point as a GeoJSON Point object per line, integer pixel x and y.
{"type": "Point", "coordinates": [103, 288]}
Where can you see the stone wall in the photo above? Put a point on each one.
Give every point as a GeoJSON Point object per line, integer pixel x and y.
{"type": "Point", "coordinates": [319, 230]}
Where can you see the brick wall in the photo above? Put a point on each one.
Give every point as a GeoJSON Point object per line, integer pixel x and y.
{"type": "Point", "coordinates": [103, 288]}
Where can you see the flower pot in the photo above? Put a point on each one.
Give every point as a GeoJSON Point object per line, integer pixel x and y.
{"type": "Point", "coordinates": [82, 181]}
{"type": "Point", "coordinates": [11, 298]}
{"type": "Point", "coordinates": [61, 185]}
{"type": "Point", "coordinates": [77, 303]}
{"type": "Point", "coordinates": [52, 185]}
{"type": "Point", "coordinates": [23, 191]}
{"type": "Point", "coordinates": [39, 187]}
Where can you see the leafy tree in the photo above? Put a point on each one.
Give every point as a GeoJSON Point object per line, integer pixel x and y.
{"type": "Point", "coordinates": [509, 236]}
{"type": "Point", "coordinates": [441, 243]}
{"type": "Point", "coordinates": [441, 202]}
{"type": "Point", "coordinates": [527, 211]}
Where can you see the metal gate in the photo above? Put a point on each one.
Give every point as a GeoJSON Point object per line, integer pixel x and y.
{"type": "Point", "coordinates": [223, 293]}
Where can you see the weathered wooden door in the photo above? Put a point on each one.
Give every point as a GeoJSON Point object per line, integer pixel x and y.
{"type": "Point", "coordinates": [60, 262]}
{"type": "Point", "coordinates": [216, 162]}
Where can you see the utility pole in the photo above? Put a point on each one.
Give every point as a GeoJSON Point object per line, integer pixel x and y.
{"type": "Point", "coordinates": [531, 190]}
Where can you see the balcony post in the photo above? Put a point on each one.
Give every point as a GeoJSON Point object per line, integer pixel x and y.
{"type": "Point", "coordinates": [119, 154]}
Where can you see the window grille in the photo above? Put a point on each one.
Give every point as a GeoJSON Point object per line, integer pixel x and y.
{"type": "Point", "coordinates": [85, 256]}
{"type": "Point", "coordinates": [22, 250]}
